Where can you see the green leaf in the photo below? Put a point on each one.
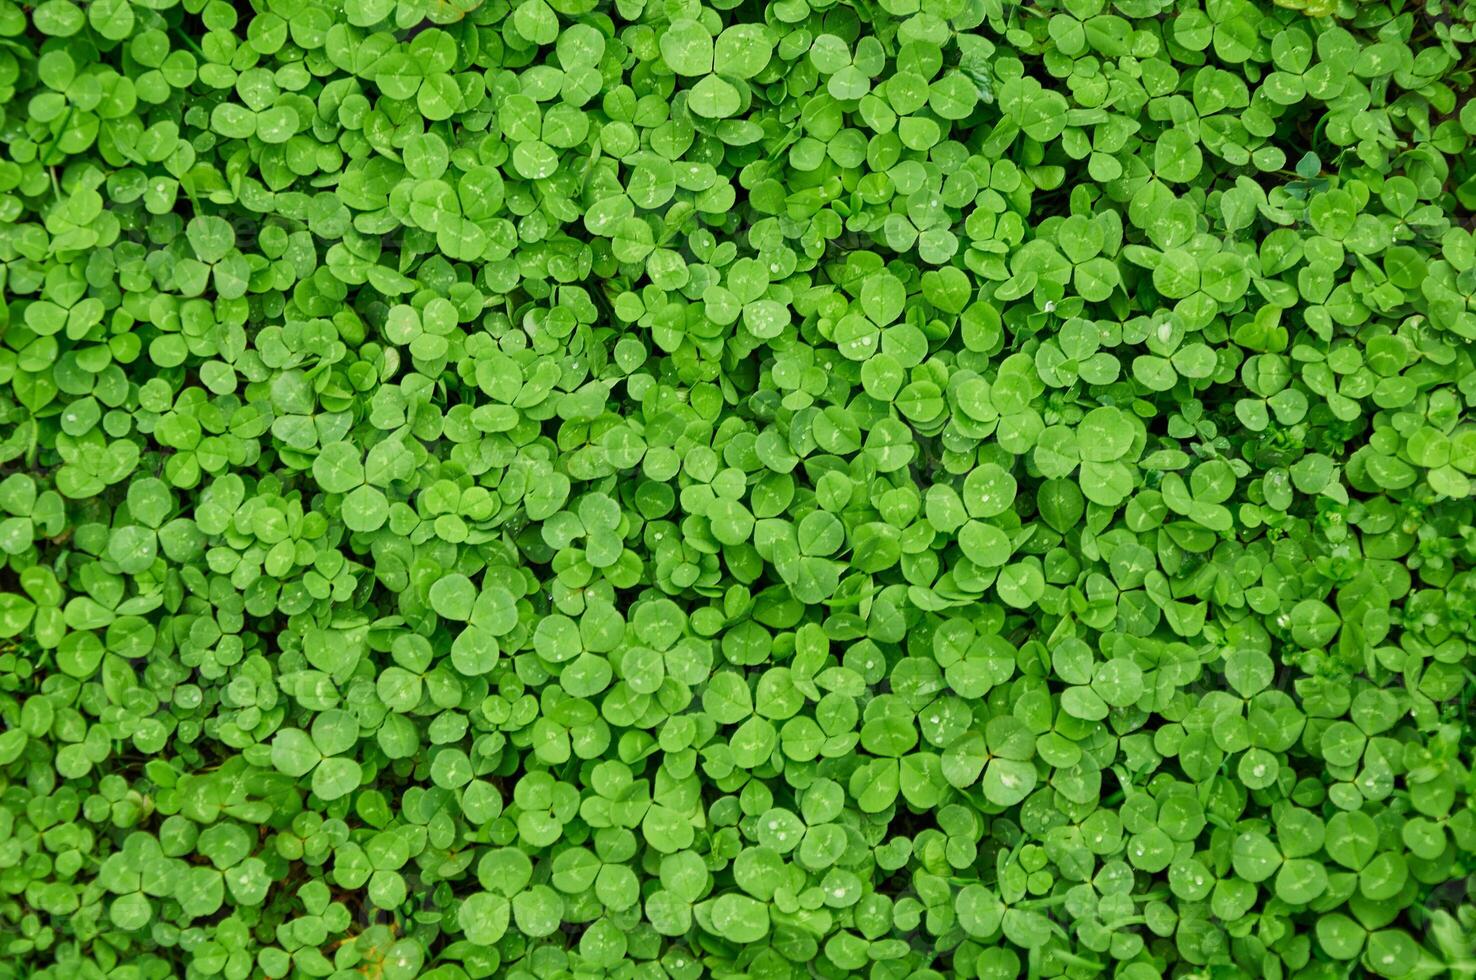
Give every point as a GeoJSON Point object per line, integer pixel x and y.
{"type": "Point", "coordinates": [452, 597]}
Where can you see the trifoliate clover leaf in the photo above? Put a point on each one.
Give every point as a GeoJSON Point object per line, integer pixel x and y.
{"type": "Point", "coordinates": [549, 487]}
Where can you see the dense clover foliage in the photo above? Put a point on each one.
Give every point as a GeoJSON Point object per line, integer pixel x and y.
{"type": "Point", "coordinates": [660, 488]}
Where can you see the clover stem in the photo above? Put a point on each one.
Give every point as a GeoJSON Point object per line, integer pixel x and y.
{"type": "Point", "coordinates": [1075, 960]}
{"type": "Point", "coordinates": [189, 43]}
{"type": "Point", "coordinates": [1130, 920]}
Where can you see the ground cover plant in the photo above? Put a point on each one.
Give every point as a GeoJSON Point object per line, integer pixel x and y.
{"type": "Point", "coordinates": [878, 488]}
